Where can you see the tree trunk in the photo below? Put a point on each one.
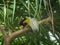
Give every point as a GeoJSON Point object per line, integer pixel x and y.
{"type": "Point", "coordinates": [7, 42]}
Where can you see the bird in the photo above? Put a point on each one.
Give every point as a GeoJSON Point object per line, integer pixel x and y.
{"type": "Point", "coordinates": [32, 22]}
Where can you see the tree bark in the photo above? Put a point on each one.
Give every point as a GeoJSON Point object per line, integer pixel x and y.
{"type": "Point", "coordinates": [6, 42]}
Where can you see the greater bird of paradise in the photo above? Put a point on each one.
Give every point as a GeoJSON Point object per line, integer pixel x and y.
{"type": "Point", "coordinates": [32, 22]}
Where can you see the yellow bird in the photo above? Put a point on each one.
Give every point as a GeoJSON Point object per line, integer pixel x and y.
{"type": "Point", "coordinates": [32, 22]}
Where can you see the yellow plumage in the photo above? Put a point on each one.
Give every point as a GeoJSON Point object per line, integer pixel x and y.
{"type": "Point", "coordinates": [33, 23]}
{"type": "Point", "coordinates": [27, 21]}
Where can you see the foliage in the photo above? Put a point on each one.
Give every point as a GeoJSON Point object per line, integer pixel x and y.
{"type": "Point", "coordinates": [13, 11]}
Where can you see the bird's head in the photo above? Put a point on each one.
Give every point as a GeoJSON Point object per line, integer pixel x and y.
{"type": "Point", "coordinates": [24, 22]}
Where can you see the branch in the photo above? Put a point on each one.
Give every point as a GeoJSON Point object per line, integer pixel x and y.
{"type": "Point", "coordinates": [3, 32]}
{"type": "Point", "coordinates": [19, 32]}
{"type": "Point", "coordinates": [45, 20]}
{"type": "Point", "coordinates": [8, 39]}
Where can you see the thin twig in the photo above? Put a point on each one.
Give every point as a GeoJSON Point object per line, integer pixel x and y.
{"type": "Point", "coordinates": [52, 20]}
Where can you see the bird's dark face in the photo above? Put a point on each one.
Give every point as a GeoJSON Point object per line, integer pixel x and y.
{"type": "Point", "coordinates": [22, 22]}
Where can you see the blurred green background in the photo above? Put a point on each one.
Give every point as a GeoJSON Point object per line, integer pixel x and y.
{"type": "Point", "coordinates": [13, 11]}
